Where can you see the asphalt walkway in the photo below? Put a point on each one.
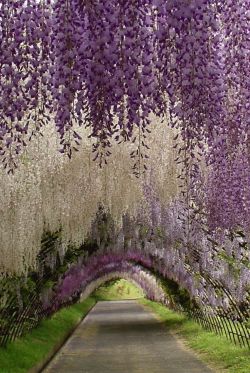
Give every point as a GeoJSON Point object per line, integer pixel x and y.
{"type": "Point", "coordinates": [123, 337]}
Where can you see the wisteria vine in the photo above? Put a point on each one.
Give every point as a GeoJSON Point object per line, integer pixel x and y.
{"type": "Point", "coordinates": [108, 70]}
{"type": "Point", "coordinates": [110, 65]}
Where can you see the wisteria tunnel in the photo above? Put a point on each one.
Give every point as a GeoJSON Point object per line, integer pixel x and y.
{"type": "Point", "coordinates": [125, 153]}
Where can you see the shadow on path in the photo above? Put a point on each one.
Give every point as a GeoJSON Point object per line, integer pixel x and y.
{"type": "Point", "coordinates": [123, 337]}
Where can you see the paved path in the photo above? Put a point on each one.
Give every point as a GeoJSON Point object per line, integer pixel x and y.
{"type": "Point", "coordinates": [123, 337]}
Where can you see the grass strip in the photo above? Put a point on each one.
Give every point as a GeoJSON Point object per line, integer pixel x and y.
{"type": "Point", "coordinates": [32, 348]}
{"type": "Point", "coordinates": [214, 350]}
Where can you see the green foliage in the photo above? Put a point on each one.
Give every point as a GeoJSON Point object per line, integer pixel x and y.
{"type": "Point", "coordinates": [233, 264]}
{"type": "Point", "coordinates": [48, 284]}
{"type": "Point", "coordinates": [176, 294]}
{"type": "Point", "coordinates": [28, 287]}
{"type": "Point", "coordinates": [48, 243]}
{"type": "Point", "coordinates": [159, 232]}
{"type": "Point", "coordinates": [72, 254]}
{"type": "Point", "coordinates": [247, 323]}
{"type": "Point", "coordinates": [9, 288]}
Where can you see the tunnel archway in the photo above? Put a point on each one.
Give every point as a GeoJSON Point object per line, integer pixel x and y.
{"type": "Point", "coordinates": [142, 280]}
{"type": "Point", "coordinates": [172, 89]}
{"type": "Point", "coordinates": [159, 282]}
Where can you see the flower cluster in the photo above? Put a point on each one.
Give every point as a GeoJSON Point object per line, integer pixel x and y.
{"type": "Point", "coordinates": [106, 72]}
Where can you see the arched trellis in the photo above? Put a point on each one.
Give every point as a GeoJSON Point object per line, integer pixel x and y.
{"type": "Point", "coordinates": [208, 98]}
{"type": "Point", "coordinates": [149, 286]}
{"type": "Point", "coordinates": [134, 265]}
{"type": "Point", "coordinates": [229, 322]}
{"type": "Point", "coordinates": [68, 292]}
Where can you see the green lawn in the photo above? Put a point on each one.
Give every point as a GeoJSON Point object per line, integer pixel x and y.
{"type": "Point", "coordinates": [216, 351]}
